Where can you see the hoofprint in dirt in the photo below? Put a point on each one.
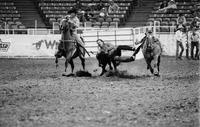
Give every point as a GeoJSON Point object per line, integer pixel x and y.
{"type": "Point", "coordinates": [33, 93]}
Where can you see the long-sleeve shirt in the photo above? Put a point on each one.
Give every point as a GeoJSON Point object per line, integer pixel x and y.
{"type": "Point", "coordinates": [75, 21]}
{"type": "Point", "coordinates": [194, 37]}
{"type": "Point", "coordinates": [113, 8]}
{"type": "Point", "coordinates": [179, 36]}
{"type": "Point", "coordinates": [106, 47]}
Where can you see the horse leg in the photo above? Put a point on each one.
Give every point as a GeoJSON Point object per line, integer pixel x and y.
{"type": "Point", "coordinates": [56, 61]}
{"type": "Point", "coordinates": [158, 64]}
{"type": "Point", "coordinates": [82, 61]}
{"type": "Point", "coordinates": [155, 64]}
{"type": "Point", "coordinates": [150, 67]}
{"type": "Point", "coordinates": [109, 63]}
{"type": "Point", "coordinates": [68, 58]}
{"type": "Point", "coordinates": [103, 70]}
{"type": "Point", "coordinates": [114, 64]}
{"type": "Point", "coordinates": [148, 61]}
{"type": "Point", "coordinates": [66, 64]}
{"type": "Point", "coordinates": [72, 65]}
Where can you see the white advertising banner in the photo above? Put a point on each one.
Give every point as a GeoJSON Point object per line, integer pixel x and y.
{"type": "Point", "coordinates": [28, 45]}
{"type": "Point", "coordinates": [46, 45]}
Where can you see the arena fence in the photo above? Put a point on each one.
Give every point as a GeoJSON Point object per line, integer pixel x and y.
{"type": "Point", "coordinates": [42, 43]}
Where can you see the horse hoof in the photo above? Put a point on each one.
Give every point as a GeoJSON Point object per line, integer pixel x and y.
{"type": "Point", "coordinates": [156, 74]}
{"type": "Point", "coordinates": [68, 75]}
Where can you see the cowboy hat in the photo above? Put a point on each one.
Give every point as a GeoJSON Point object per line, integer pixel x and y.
{"type": "Point", "coordinates": [73, 10]}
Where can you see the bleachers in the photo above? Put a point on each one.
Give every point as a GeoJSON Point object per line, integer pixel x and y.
{"type": "Point", "coordinates": [54, 10]}
{"type": "Point", "coordinates": [9, 16]}
{"type": "Point", "coordinates": [170, 19]}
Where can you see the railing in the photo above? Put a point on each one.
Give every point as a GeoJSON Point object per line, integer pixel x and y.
{"type": "Point", "coordinates": [156, 29]}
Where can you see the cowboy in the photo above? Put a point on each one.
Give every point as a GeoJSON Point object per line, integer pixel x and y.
{"type": "Point", "coordinates": [194, 43]}
{"type": "Point", "coordinates": [194, 23]}
{"type": "Point", "coordinates": [179, 42]}
{"type": "Point", "coordinates": [170, 8]}
{"type": "Point", "coordinates": [75, 21]}
{"type": "Point", "coordinates": [149, 33]}
{"type": "Point", "coordinates": [114, 52]}
{"type": "Point", "coordinates": [113, 7]}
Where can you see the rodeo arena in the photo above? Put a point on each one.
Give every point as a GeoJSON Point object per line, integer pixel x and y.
{"type": "Point", "coordinates": [99, 63]}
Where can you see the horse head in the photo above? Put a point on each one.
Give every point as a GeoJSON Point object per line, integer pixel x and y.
{"type": "Point", "coordinates": [66, 26]}
{"type": "Point", "coordinates": [149, 42]}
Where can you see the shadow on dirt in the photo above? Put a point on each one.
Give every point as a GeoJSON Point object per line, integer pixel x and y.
{"type": "Point", "coordinates": [125, 75]}
{"type": "Point", "coordinates": [79, 73]}
{"type": "Point", "coordinates": [110, 74]}
{"type": "Point", "coordinates": [182, 77]}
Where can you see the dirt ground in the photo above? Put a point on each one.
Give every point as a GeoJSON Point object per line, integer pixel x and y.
{"type": "Point", "coordinates": [33, 93]}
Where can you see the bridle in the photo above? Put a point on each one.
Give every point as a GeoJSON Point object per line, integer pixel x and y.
{"type": "Point", "coordinates": [66, 28]}
{"type": "Point", "coordinates": [149, 43]}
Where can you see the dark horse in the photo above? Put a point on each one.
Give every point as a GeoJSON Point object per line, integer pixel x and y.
{"type": "Point", "coordinates": [70, 48]}
{"type": "Point", "coordinates": [151, 50]}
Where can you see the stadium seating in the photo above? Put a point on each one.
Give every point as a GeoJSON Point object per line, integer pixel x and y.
{"type": "Point", "coordinates": [9, 16]}
{"type": "Point", "coordinates": [165, 19]}
{"type": "Point", "coordinates": [53, 10]}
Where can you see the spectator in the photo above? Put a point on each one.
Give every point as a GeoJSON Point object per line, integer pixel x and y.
{"type": "Point", "coordinates": [103, 13]}
{"type": "Point", "coordinates": [195, 10]}
{"type": "Point", "coordinates": [181, 21]}
{"type": "Point", "coordinates": [140, 3]}
{"type": "Point", "coordinates": [170, 7]}
{"type": "Point", "coordinates": [78, 5]}
{"type": "Point", "coordinates": [81, 16]}
{"type": "Point", "coordinates": [194, 43]}
{"type": "Point", "coordinates": [179, 42]}
{"type": "Point", "coordinates": [100, 6]}
{"type": "Point", "coordinates": [194, 23]}
{"type": "Point", "coordinates": [113, 7]}
{"type": "Point", "coordinates": [163, 4]}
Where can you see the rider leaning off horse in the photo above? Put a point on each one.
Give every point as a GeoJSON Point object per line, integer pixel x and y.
{"type": "Point", "coordinates": [75, 21]}
{"type": "Point", "coordinates": [114, 52]}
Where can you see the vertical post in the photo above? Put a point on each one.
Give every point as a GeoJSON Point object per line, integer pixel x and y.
{"type": "Point", "coordinates": [154, 28]}
{"type": "Point", "coordinates": [84, 25]}
{"type": "Point", "coordinates": [35, 26]}
{"type": "Point", "coordinates": [97, 34]}
{"type": "Point", "coordinates": [115, 38]}
{"type": "Point", "coordinates": [133, 36]}
{"type": "Point", "coordinates": [5, 27]}
{"type": "Point", "coordinates": [53, 27]}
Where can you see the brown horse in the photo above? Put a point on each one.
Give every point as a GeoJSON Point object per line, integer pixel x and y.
{"type": "Point", "coordinates": [70, 48]}
{"type": "Point", "coordinates": [151, 50]}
